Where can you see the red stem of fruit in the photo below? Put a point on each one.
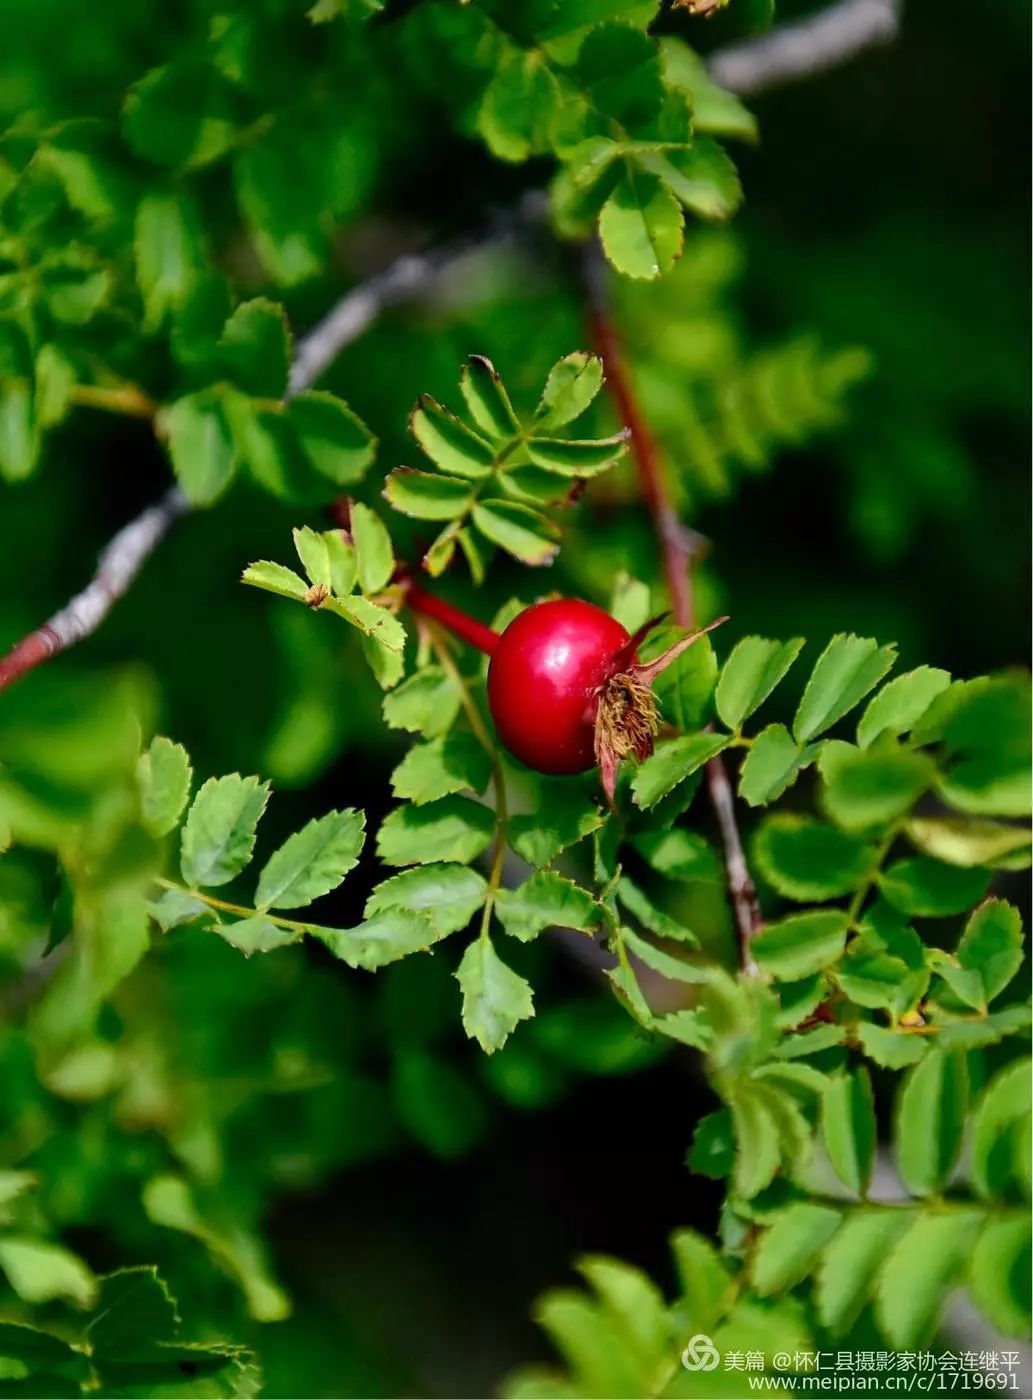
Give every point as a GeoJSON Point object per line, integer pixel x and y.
{"type": "Point", "coordinates": [467, 628]}
{"type": "Point", "coordinates": [676, 552]}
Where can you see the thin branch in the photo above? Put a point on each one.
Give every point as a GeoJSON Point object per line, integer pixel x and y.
{"type": "Point", "coordinates": [792, 51]}
{"type": "Point", "coordinates": [677, 549]}
{"type": "Point", "coordinates": [117, 567]}
{"type": "Point", "coordinates": [408, 277]}
{"type": "Point", "coordinates": [126, 553]}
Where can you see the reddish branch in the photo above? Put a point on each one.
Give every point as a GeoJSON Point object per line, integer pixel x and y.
{"type": "Point", "coordinates": [458, 623]}
{"type": "Point", "coordinates": [676, 547]}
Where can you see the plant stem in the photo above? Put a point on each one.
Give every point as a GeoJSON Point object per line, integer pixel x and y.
{"type": "Point", "coordinates": [225, 907]}
{"type": "Point", "coordinates": [676, 549]}
{"type": "Point", "coordinates": [460, 624]}
{"type": "Point", "coordinates": [126, 398]}
{"type": "Point", "coordinates": [448, 665]}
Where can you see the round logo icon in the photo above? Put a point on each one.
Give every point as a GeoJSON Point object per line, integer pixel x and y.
{"type": "Point", "coordinates": [701, 1354]}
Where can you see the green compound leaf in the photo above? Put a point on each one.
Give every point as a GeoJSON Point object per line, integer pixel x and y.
{"type": "Point", "coordinates": [546, 900]}
{"type": "Point", "coordinates": [384, 938]}
{"type": "Point", "coordinates": [849, 1128]}
{"type": "Point", "coordinates": [802, 944]}
{"type": "Point", "coordinates": [806, 860]}
{"type": "Point", "coordinates": [772, 765]}
{"type": "Point", "coordinates": [846, 671]}
{"type": "Point", "coordinates": [200, 445]}
{"type": "Point", "coordinates": [448, 764]}
{"type": "Point", "coordinates": [163, 774]}
{"type": "Point", "coordinates": [449, 895]}
{"type": "Point", "coordinates": [751, 673]}
{"type": "Point", "coordinates": [918, 1273]}
{"type": "Point", "coordinates": [572, 385]}
{"type": "Point", "coordinates": [495, 998]}
{"type": "Point", "coordinates": [928, 888]}
{"type": "Point", "coordinates": [641, 226]}
{"type": "Point", "coordinates": [901, 704]}
{"type": "Point", "coordinates": [788, 1251]}
{"type": "Point", "coordinates": [850, 1265]}
{"type": "Point", "coordinates": [333, 439]}
{"type": "Point", "coordinates": [219, 832]}
{"type": "Point", "coordinates": [992, 945]}
{"type": "Point", "coordinates": [454, 828]}
{"type": "Point", "coordinates": [312, 862]}
{"type": "Point", "coordinates": [930, 1120]}
{"type": "Point", "coordinates": [673, 761]}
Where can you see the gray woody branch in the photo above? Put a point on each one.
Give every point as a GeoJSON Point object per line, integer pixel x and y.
{"type": "Point", "coordinates": [792, 51]}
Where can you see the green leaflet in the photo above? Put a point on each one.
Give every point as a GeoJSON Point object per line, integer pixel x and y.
{"type": "Point", "coordinates": [807, 860]}
{"type": "Point", "coordinates": [849, 1128]}
{"type": "Point", "coordinates": [788, 1251]}
{"type": "Point", "coordinates": [312, 862]}
{"type": "Point", "coordinates": [930, 1119]}
{"type": "Point", "coordinates": [751, 673]}
{"type": "Point", "coordinates": [846, 671]}
{"type": "Point", "coordinates": [915, 1278]}
{"type": "Point", "coordinates": [219, 832]}
{"type": "Point", "coordinates": [495, 998]}
{"type": "Point", "coordinates": [452, 828]}
{"type": "Point", "coordinates": [801, 944]}
{"type": "Point", "coordinates": [164, 775]}
{"type": "Point", "coordinates": [544, 900]}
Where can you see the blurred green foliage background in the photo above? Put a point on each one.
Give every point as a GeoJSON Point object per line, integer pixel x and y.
{"type": "Point", "coordinates": [416, 1196]}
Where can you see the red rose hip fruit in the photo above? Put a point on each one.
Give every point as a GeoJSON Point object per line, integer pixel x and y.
{"type": "Point", "coordinates": [546, 672]}
{"type": "Point", "coordinates": [567, 692]}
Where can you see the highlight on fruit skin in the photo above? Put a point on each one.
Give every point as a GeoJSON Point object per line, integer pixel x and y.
{"type": "Point", "coordinates": [567, 691]}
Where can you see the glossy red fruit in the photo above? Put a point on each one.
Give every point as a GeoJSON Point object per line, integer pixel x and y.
{"type": "Point", "coordinates": [546, 673]}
